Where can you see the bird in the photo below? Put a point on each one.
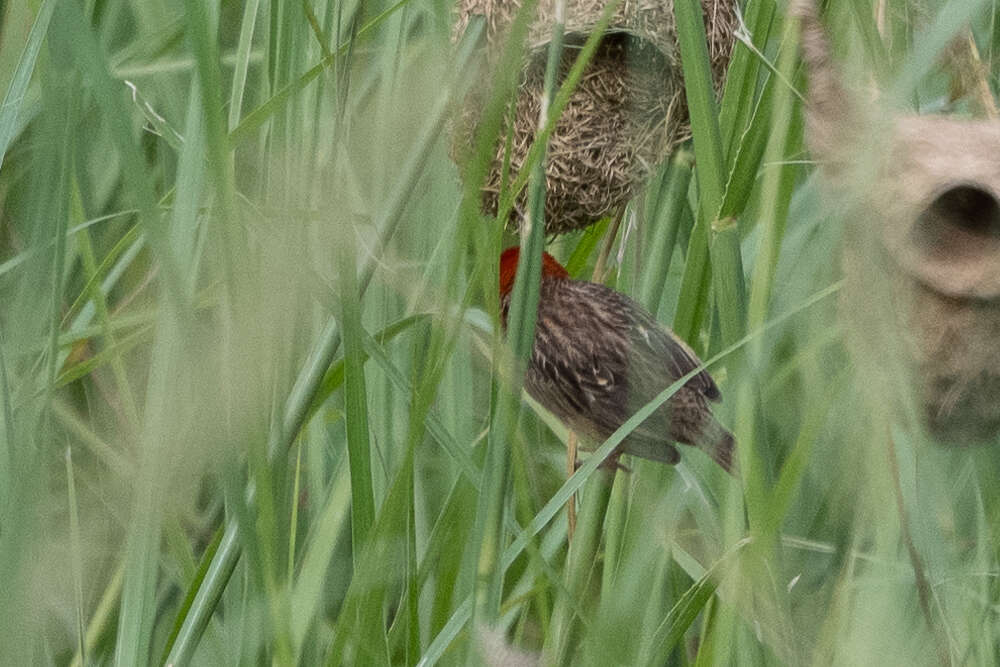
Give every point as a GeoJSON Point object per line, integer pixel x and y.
{"type": "Point", "coordinates": [598, 357]}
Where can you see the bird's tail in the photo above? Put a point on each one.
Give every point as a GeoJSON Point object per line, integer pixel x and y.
{"type": "Point", "coordinates": [720, 444]}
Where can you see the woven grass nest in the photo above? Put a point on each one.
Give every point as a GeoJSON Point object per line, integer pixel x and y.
{"type": "Point", "coordinates": [624, 117]}
{"type": "Point", "coordinates": [920, 196]}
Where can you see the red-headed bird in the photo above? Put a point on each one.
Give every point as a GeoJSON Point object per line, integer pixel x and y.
{"type": "Point", "coordinates": [599, 356]}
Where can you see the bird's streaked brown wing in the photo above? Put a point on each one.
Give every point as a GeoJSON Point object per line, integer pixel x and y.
{"type": "Point", "coordinates": [579, 365]}
{"type": "Point", "coordinates": [649, 341]}
{"type": "Point", "coordinates": [665, 344]}
{"type": "Point", "coordinates": [599, 356]}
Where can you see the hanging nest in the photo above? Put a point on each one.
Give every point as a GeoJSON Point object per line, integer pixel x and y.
{"type": "Point", "coordinates": [920, 197]}
{"type": "Point", "coordinates": [940, 205]}
{"type": "Point", "coordinates": [625, 115]}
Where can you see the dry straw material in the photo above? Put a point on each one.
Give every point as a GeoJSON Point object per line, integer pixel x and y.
{"type": "Point", "coordinates": [921, 250]}
{"type": "Point", "coordinates": [624, 117]}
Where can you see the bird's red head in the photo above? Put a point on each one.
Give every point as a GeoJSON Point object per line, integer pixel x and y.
{"type": "Point", "coordinates": [508, 268]}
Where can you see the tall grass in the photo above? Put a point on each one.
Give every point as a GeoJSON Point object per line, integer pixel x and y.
{"type": "Point", "coordinates": [254, 405]}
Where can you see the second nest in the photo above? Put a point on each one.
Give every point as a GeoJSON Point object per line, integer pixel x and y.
{"type": "Point", "coordinates": [625, 115]}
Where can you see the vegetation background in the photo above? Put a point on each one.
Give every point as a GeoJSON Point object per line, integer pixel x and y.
{"type": "Point", "coordinates": [251, 399]}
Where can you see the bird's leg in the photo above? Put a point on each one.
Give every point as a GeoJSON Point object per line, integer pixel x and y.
{"type": "Point", "coordinates": [571, 447]}
{"type": "Point", "coordinates": [612, 463]}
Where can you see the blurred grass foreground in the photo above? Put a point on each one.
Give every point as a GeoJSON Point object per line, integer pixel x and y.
{"type": "Point", "coordinates": [254, 403]}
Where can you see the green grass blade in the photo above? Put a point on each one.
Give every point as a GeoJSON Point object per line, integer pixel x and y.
{"type": "Point", "coordinates": [583, 555]}
{"type": "Point", "coordinates": [692, 304]}
{"type": "Point", "coordinates": [702, 109]}
{"type": "Point", "coordinates": [101, 621]}
{"type": "Point", "coordinates": [583, 250]}
{"type": "Point", "coordinates": [774, 201]}
{"type": "Point", "coordinates": [683, 614]}
{"type": "Point", "coordinates": [356, 403]}
{"type": "Point", "coordinates": [18, 89]}
{"type": "Point", "coordinates": [238, 88]}
{"type": "Point", "coordinates": [76, 554]}
{"type": "Point", "coordinates": [329, 523]}
{"type": "Point", "coordinates": [666, 221]}
{"type": "Point", "coordinates": [106, 356]}
{"type": "Point", "coordinates": [64, 97]}
{"type": "Point", "coordinates": [488, 533]}
{"type": "Point", "coordinates": [194, 616]}
{"type": "Point", "coordinates": [7, 430]}
{"type": "Point", "coordinates": [204, 563]}
{"type": "Point", "coordinates": [104, 320]}
{"type": "Point", "coordinates": [82, 309]}
{"type": "Point", "coordinates": [744, 177]}
{"type": "Point", "coordinates": [730, 291]}
{"type": "Point", "coordinates": [741, 87]}
{"type": "Point", "coordinates": [711, 169]}
{"type": "Point", "coordinates": [774, 197]}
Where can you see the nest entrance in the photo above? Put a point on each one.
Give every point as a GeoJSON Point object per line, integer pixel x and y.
{"type": "Point", "coordinates": [626, 72]}
{"type": "Point", "coordinates": [621, 119]}
{"type": "Point", "coordinates": [960, 225]}
{"type": "Point", "coordinates": [631, 54]}
{"type": "Point", "coordinates": [954, 243]}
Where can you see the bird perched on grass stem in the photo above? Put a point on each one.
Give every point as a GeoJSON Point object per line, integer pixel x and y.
{"type": "Point", "coordinates": [599, 356]}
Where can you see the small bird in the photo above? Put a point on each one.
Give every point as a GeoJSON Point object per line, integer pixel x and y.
{"type": "Point", "coordinates": [599, 356]}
